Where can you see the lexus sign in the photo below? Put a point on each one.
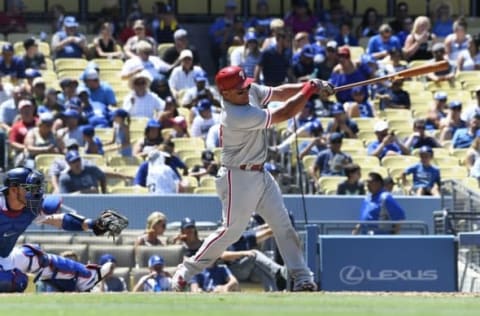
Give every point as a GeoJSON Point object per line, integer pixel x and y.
{"type": "Point", "coordinates": [353, 275]}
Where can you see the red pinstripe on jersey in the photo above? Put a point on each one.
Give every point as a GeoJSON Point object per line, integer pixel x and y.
{"type": "Point", "coordinates": [267, 97]}
{"type": "Point", "coordinates": [269, 119]}
{"type": "Point", "coordinates": [199, 255]}
{"type": "Point", "coordinates": [220, 132]}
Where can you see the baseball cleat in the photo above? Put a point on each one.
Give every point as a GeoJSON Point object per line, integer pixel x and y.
{"type": "Point", "coordinates": [179, 283]}
{"type": "Point", "coordinates": [305, 286]}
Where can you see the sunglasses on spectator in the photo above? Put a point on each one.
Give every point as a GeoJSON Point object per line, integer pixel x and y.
{"type": "Point", "coordinates": [140, 82]}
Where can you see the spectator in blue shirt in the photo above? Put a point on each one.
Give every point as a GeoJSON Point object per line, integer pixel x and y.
{"type": "Point", "coordinates": [419, 139]}
{"type": "Point", "coordinates": [360, 106]}
{"type": "Point", "coordinates": [346, 37]}
{"type": "Point", "coordinates": [331, 161]}
{"type": "Point", "coordinates": [10, 65]}
{"type": "Point", "coordinates": [69, 43]}
{"type": "Point", "coordinates": [99, 91]}
{"type": "Point", "coordinates": [387, 144]}
{"type": "Point", "coordinates": [341, 122]}
{"type": "Point", "coordinates": [275, 62]}
{"type": "Point", "coordinates": [379, 205]}
{"type": "Point", "coordinates": [426, 177]}
{"type": "Point", "coordinates": [452, 122]}
{"type": "Point", "coordinates": [464, 137]}
{"type": "Point", "coordinates": [216, 278]}
{"type": "Point", "coordinates": [395, 97]}
{"type": "Point", "coordinates": [379, 45]}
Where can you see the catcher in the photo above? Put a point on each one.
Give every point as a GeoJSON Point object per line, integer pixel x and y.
{"type": "Point", "coordinates": [22, 202]}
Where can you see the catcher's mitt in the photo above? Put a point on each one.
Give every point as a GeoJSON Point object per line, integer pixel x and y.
{"type": "Point", "coordinates": [110, 222]}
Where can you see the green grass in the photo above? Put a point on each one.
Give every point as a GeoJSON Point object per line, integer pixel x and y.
{"type": "Point", "coordinates": [245, 304]}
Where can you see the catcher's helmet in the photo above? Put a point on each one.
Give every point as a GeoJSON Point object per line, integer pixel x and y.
{"type": "Point", "coordinates": [32, 181]}
{"type": "Point", "coordinates": [232, 77]}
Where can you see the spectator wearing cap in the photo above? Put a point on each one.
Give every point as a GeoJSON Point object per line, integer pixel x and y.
{"type": "Point", "coordinates": [394, 97]}
{"type": "Point", "coordinates": [9, 108]}
{"type": "Point", "coordinates": [419, 138]}
{"type": "Point", "coordinates": [154, 229]}
{"type": "Point", "coordinates": [345, 37]}
{"type": "Point", "coordinates": [71, 119]}
{"type": "Point", "coordinates": [202, 90]}
{"type": "Point", "coordinates": [69, 43]}
{"type": "Point", "coordinates": [304, 67]}
{"type": "Point", "coordinates": [345, 72]}
{"type": "Point", "coordinates": [275, 62]}
{"type": "Point", "coordinates": [69, 89]}
{"type": "Point", "coordinates": [331, 161]}
{"type": "Point", "coordinates": [93, 144]}
{"type": "Point", "coordinates": [247, 56]}
{"type": "Point", "coordinates": [33, 58]}
{"type": "Point", "coordinates": [38, 91]}
{"type": "Point", "coordinates": [187, 237]}
{"type": "Point", "coordinates": [341, 122]}
{"type": "Point", "coordinates": [141, 102]}
{"type": "Point", "coordinates": [326, 59]}
{"type": "Point", "coordinates": [152, 138]}
{"type": "Point", "coordinates": [460, 46]}
{"type": "Point", "coordinates": [81, 178]}
{"type": "Point", "coordinates": [11, 66]}
{"type": "Point", "coordinates": [469, 112]}
{"type": "Point", "coordinates": [99, 91]}
{"type": "Point", "coordinates": [221, 33]}
{"type": "Point", "coordinates": [379, 45]}
{"type": "Point", "coordinates": [438, 110]}
{"type": "Point", "coordinates": [418, 45]}
{"type": "Point", "coordinates": [360, 106]}
{"type": "Point", "coordinates": [105, 45]}
{"type": "Point", "coordinates": [130, 48]}
{"type": "Point", "coordinates": [181, 42]}
{"type": "Point", "coordinates": [111, 282]}
{"type": "Point", "coordinates": [216, 278]}
{"type": "Point", "coordinates": [426, 176]}
{"type": "Point", "coordinates": [41, 139]}
{"type": "Point", "coordinates": [387, 143]}
{"type": "Point", "coordinates": [276, 26]}
{"type": "Point", "coordinates": [463, 137]}
{"type": "Point", "coordinates": [20, 129]}
{"type": "Point", "coordinates": [301, 19]}
{"type": "Point", "coordinates": [352, 185]}
{"type": "Point", "coordinates": [121, 133]}
{"type": "Point", "coordinates": [51, 104]}
{"type": "Point", "coordinates": [209, 166]}
{"type": "Point", "coordinates": [157, 280]}
{"type": "Point", "coordinates": [204, 120]}
{"type": "Point", "coordinates": [453, 121]}
{"type": "Point", "coordinates": [30, 75]}
{"type": "Point", "coordinates": [438, 50]}
{"type": "Point", "coordinates": [60, 164]}
{"type": "Point", "coordinates": [182, 76]}
{"type": "Point", "coordinates": [164, 23]}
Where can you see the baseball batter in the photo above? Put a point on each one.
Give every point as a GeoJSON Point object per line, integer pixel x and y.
{"type": "Point", "coordinates": [242, 184]}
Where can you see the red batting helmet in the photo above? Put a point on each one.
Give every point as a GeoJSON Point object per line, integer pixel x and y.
{"type": "Point", "coordinates": [232, 77]}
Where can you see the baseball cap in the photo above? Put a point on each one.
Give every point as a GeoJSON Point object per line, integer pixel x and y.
{"type": "Point", "coordinates": [46, 117]}
{"type": "Point", "coordinates": [332, 44]}
{"type": "Point", "coordinates": [336, 137]}
{"type": "Point", "coordinates": [70, 142]}
{"type": "Point", "coordinates": [153, 123]}
{"type": "Point", "coordinates": [81, 89]}
{"type": "Point", "coordinates": [204, 104]}
{"type": "Point", "coordinates": [380, 126]}
{"type": "Point", "coordinates": [88, 130]}
{"type": "Point", "coordinates": [180, 33]}
{"type": "Point", "coordinates": [208, 155]}
{"type": "Point", "coordinates": [72, 155]}
{"type": "Point", "coordinates": [38, 80]}
{"type": "Point", "coordinates": [107, 258]}
{"type": "Point", "coordinates": [90, 74]}
{"type": "Point", "coordinates": [70, 21]}
{"type": "Point", "coordinates": [155, 260]}
{"type": "Point", "coordinates": [320, 34]}
{"type": "Point", "coordinates": [67, 81]}
{"type": "Point", "coordinates": [138, 24]}
{"type": "Point", "coordinates": [232, 77]}
{"type": "Point", "coordinates": [120, 112]}
{"type": "Point", "coordinates": [307, 51]}
{"type": "Point", "coordinates": [440, 96]}
{"type": "Point", "coordinates": [7, 47]}
{"type": "Point", "coordinates": [187, 222]}
{"type": "Point", "coordinates": [384, 28]}
{"type": "Point", "coordinates": [337, 108]}
{"type": "Point", "coordinates": [186, 53]}
{"type": "Point", "coordinates": [344, 51]}
{"type": "Point", "coordinates": [201, 76]}
{"type": "Point", "coordinates": [250, 37]}
{"type": "Point", "coordinates": [23, 103]}
{"type": "Point", "coordinates": [71, 113]}
{"type": "Point", "coordinates": [426, 149]}
{"type": "Point", "coordinates": [29, 42]}
{"type": "Point", "coordinates": [31, 73]}
{"type": "Point", "coordinates": [455, 104]}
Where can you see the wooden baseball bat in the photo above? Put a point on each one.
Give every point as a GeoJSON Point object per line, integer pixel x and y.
{"type": "Point", "coordinates": [407, 73]}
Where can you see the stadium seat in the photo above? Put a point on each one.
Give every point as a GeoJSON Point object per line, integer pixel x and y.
{"type": "Point", "coordinates": [124, 254]}
{"type": "Point", "coordinates": [172, 254]}
{"type": "Point", "coordinates": [206, 190]}
{"type": "Point", "coordinates": [182, 153]}
{"type": "Point", "coordinates": [365, 160]}
{"type": "Point", "coordinates": [380, 170]}
{"type": "Point", "coordinates": [367, 136]}
{"type": "Point", "coordinates": [189, 143]}
{"type": "Point", "coordinates": [138, 123]}
{"type": "Point", "coordinates": [207, 182]}
{"type": "Point", "coordinates": [105, 64]}
{"type": "Point", "coordinates": [453, 173]}
{"type": "Point", "coordinates": [162, 48]}
{"type": "Point", "coordinates": [365, 123]}
{"type": "Point", "coordinates": [192, 161]}
{"type": "Point", "coordinates": [191, 181]}
{"type": "Point", "coordinates": [38, 238]}
{"type": "Point", "coordinates": [399, 161]}
{"type": "Point", "coordinates": [129, 190]}
{"type": "Point", "coordinates": [460, 154]}
{"type": "Point", "coordinates": [43, 48]}
{"type": "Point", "coordinates": [445, 161]}
{"type": "Point", "coordinates": [94, 240]}
{"type": "Point", "coordinates": [98, 160]}
{"type": "Point", "coordinates": [326, 183]}
{"type": "Point", "coordinates": [119, 161]}
{"type": "Point", "coordinates": [44, 161]}
{"type": "Point", "coordinates": [115, 182]}
{"type": "Point", "coordinates": [104, 134]}
{"type": "Point", "coordinates": [70, 63]}
{"type": "Point", "coordinates": [80, 249]}
{"type": "Point", "coordinates": [217, 153]}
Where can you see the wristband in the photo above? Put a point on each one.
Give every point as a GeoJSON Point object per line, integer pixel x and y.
{"type": "Point", "coordinates": [309, 88]}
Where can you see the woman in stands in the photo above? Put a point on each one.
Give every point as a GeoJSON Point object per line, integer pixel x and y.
{"type": "Point", "coordinates": [418, 44]}
{"type": "Point", "coordinates": [156, 224]}
{"type": "Point", "coordinates": [249, 56]}
{"type": "Point", "coordinates": [371, 21]}
{"type": "Point", "coordinates": [105, 44]}
{"type": "Point", "coordinates": [152, 138]}
{"type": "Point", "coordinates": [460, 46]}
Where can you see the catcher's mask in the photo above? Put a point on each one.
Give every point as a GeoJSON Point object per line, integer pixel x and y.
{"type": "Point", "coordinates": [30, 180]}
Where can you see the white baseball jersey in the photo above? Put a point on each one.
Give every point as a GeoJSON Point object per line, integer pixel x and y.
{"type": "Point", "coordinates": [243, 133]}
